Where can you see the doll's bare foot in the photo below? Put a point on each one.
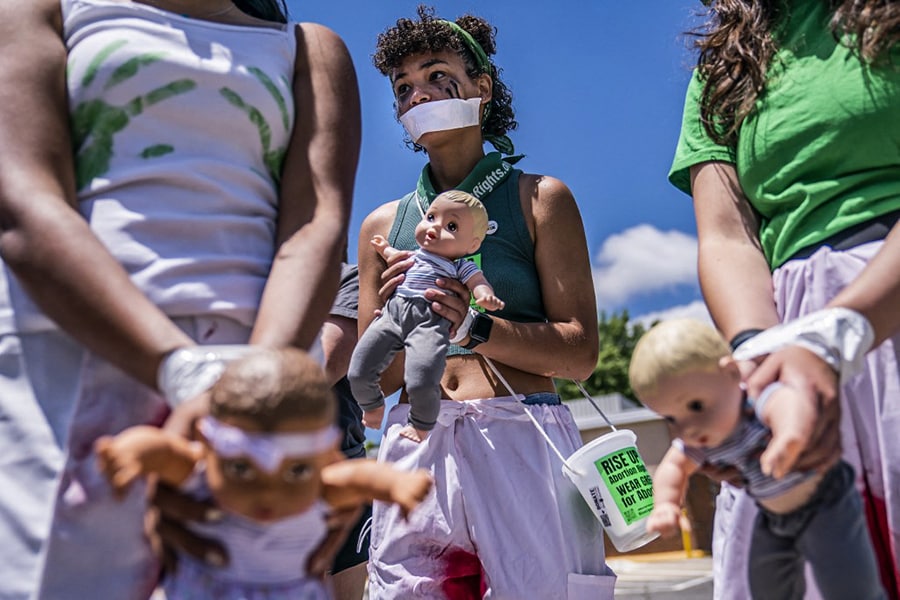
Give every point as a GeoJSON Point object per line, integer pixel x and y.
{"type": "Point", "coordinates": [373, 418]}
{"type": "Point", "coordinates": [411, 433]}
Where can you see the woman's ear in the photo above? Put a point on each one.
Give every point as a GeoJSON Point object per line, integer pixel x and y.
{"type": "Point", "coordinates": [485, 88]}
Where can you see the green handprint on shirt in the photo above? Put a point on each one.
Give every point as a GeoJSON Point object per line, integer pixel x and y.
{"type": "Point", "coordinates": [95, 123]}
{"type": "Point", "coordinates": [272, 157]}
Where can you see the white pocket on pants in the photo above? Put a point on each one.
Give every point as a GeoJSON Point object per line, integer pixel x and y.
{"type": "Point", "coordinates": [591, 587]}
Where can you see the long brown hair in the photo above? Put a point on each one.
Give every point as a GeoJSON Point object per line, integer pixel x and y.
{"type": "Point", "coordinates": [736, 49]}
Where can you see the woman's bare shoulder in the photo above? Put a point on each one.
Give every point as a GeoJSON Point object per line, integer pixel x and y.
{"type": "Point", "coordinates": [545, 196]}
{"type": "Point", "coordinates": [381, 218]}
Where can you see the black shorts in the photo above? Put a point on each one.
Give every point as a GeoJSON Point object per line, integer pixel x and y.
{"type": "Point", "coordinates": [355, 551]}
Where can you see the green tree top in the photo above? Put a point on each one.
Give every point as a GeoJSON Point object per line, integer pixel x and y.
{"type": "Point", "coordinates": [617, 341]}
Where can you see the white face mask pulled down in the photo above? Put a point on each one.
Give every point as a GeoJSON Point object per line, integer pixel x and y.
{"type": "Point", "coordinates": [441, 115]}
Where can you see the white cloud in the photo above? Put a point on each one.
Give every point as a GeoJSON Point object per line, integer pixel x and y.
{"type": "Point", "coordinates": [694, 310]}
{"type": "Point", "coordinates": [642, 260]}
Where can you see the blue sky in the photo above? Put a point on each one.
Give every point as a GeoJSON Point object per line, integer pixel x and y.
{"type": "Point", "coordinates": [598, 88]}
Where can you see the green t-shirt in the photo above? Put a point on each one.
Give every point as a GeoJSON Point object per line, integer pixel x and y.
{"type": "Point", "coordinates": [821, 152]}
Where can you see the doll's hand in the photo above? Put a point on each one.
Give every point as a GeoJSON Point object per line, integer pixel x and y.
{"type": "Point", "coordinates": [409, 489]}
{"type": "Point", "coordinates": [490, 302]}
{"type": "Point", "coordinates": [383, 248]}
{"type": "Point", "coordinates": [121, 458]}
{"type": "Point", "coordinates": [791, 416]}
{"type": "Point", "coordinates": [667, 519]}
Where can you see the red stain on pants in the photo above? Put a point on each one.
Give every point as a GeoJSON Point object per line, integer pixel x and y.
{"type": "Point", "coordinates": [463, 577]}
{"type": "Point", "coordinates": [876, 517]}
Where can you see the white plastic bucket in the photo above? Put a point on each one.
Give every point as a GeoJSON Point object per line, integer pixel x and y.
{"type": "Point", "coordinates": [611, 476]}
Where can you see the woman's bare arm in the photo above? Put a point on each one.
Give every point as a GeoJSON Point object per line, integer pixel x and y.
{"type": "Point", "coordinates": [44, 241]}
{"type": "Point", "coordinates": [371, 268]}
{"type": "Point", "coordinates": [316, 192]}
{"type": "Point", "coordinates": [876, 291]}
{"type": "Point", "coordinates": [734, 275]}
{"type": "Point", "coordinates": [568, 344]}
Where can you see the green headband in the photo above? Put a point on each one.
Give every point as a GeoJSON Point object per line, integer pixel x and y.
{"type": "Point", "coordinates": [484, 65]}
{"type": "Point", "coordinates": [500, 142]}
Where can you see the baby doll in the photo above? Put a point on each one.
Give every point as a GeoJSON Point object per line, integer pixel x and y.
{"type": "Point", "coordinates": [683, 369]}
{"type": "Point", "coordinates": [268, 456]}
{"type": "Point", "coordinates": [453, 227]}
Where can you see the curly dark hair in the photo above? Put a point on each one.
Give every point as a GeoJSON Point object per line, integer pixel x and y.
{"type": "Point", "coordinates": [428, 34]}
{"type": "Point", "coordinates": [736, 49]}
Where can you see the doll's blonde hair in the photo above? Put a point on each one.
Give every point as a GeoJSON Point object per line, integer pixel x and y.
{"type": "Point", "coordinates": [674, 347]}
{"type": "Point", "coordinates": [479, 212]}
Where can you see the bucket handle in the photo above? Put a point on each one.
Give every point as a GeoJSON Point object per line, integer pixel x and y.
{"type": "Point", "coordinates": [540, 429]}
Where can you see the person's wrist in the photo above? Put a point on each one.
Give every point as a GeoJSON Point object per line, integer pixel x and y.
{"type": "Point", "coordinates": [480, 331]}
{"type": "Point", "coordinates": [742, 336]}
{"type": "Point", "coordinates": [759, 404]}
{"type": "Point", "coordinates": [189, 371]}
{"type": "Point", "coordinates": [462, 332]}
{"type": "Point", "coordinates": [839, 336]}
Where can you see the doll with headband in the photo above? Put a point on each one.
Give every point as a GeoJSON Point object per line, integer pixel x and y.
{"type": "Point", "coordinates": [268, 456]}
{"type": "Point", "coordinates": [684, 370]}
{"type": "Point", "coordinates": [452, 227]}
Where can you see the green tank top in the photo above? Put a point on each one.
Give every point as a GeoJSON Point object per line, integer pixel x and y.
{"type": "Point", "coordinates": [821, 151]}
{"type": "Point", "coordinates": [506, 256]}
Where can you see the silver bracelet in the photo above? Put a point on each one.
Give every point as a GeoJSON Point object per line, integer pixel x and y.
{"type": "Point", "coordinates": [464, 327]}
{"type": "Point", "coordinates": [188, 372]}
{"type": "Point", "coordinates": [839, 336]}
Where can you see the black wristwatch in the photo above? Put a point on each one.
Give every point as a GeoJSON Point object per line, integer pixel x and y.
{"type": "Point", "coordinates": [480, 331]}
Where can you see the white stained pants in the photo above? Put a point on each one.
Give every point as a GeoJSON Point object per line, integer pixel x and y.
{"type": "Point", "coordinates": [503, 522]}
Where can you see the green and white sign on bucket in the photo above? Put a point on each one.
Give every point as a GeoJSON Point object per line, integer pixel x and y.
{"type": "Point", "coordinates": [611, 476]}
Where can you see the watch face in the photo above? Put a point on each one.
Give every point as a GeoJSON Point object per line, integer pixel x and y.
{"type": "Point", "coordinates": [481, 328]}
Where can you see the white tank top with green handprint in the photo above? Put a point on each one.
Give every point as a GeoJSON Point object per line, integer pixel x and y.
{"type": "Point", "coordinates": [179, 129]}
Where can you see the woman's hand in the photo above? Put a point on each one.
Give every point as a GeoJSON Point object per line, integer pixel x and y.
{"type": "Point", "coordinates": [170, 510]}
{"type": "Point", "coordinates": [165, 527]}
{"type": "Point", "coordinates": [397, 266]}
{"type": "Point", "coordinates": [791, 417]}
{"type": "Point", "coordinates": [815, 380]}
{"type": "Point", "coordinates": [450, 300]}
